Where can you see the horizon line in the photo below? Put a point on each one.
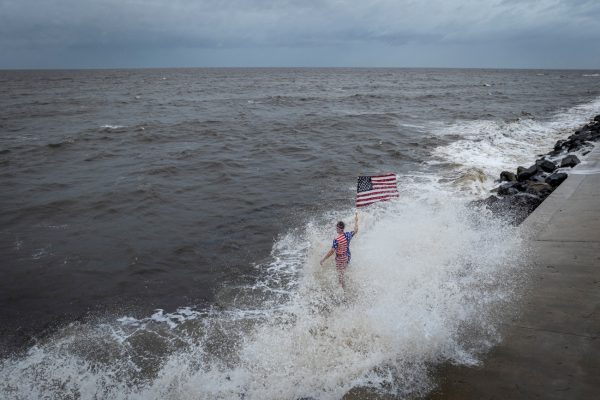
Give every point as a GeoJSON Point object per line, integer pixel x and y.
{"type": "Point", "coordinates": [292, 67]}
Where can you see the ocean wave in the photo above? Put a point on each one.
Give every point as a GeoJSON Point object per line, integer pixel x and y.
{"type": "Point", "coordinates": [109, 128]}
{"type": "Point", "coordinates": [63, 143]}
{"type": "Point", "coordinates": [293, 333]}
{"type": "Point", "coordinates": [430, 282]}
{"type": "Point", "coordinates": [493, 146]}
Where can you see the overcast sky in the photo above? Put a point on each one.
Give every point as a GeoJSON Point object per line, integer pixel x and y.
{"type": "Point", "coordinates": [284, 33]}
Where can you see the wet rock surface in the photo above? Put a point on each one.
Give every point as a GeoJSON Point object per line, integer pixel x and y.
{"type": "Point", "coordinates": [508, 176]}
{"type": "Point", "coordinates": [527, 173]}
{"type": "Point", "coordinates": [522, 191]}
{"type": "Point", "coordinates": [547, 166]}
{"type": "Point", "coordinates": [569, 161]}
{"type": "Point", "coordinates": [556, 179]}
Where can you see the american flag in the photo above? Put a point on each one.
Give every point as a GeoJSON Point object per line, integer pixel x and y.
{"type": "Point", "coordinates": [371, 189]}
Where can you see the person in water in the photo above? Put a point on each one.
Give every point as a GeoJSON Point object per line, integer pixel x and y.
{"type": "Point", "coordinates": [341, 248]}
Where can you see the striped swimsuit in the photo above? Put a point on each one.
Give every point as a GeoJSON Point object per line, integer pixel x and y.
{"type": "Point", "coordinates": [341, 244]}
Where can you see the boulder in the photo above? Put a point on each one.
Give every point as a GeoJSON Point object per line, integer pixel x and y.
{"type": "Point", "coordinates": [507, 189]}
{"type": "Point", "coordinates": [485, 202]}
{"type": "Point", "coordinates": [506, 176]}
{"type": "Point", "coordinates": [521, 186]}
{"type": "Point", "coordinates": [556, 179]}
{"type": "Point", "coordinates": [524, 204]}
{"type": "Point", "coordinates": [581, 135]}
{"type": "Point", "coordinates": [541, 189]}
{"type": "Point", "coordinates": [597, 118]}
{"type": "Point", "coordinates": [528, 173]}
{"type": "Point", "coordinates": [555, 153]}
{"type": "Point", "coordinates": [516, 208]}
{"type": "Point", "coordinates": [559, 145]}
{"type": "Point", "coordinates": [520, 169]}
{"type": "Point", "coordinates": [547, 166]}
{"type": "Point", "coordinates": [539, 177]}
{"type": "Point", "coordinates": [574, 146]}
{"type": "Point", "coordinates": [569, 161]}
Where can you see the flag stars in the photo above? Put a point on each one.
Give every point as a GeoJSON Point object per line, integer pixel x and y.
{"type": "Point", "coordinates": [364, 184]}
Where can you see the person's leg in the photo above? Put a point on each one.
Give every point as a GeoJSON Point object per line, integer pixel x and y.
{"type": "Point", "coordinates": [341, 269]}
{"type": "Point", "coordinates": [341, 277]}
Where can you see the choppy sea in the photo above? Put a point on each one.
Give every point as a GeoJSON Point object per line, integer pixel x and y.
{"type": "Point", "coordinates": [160, 230]}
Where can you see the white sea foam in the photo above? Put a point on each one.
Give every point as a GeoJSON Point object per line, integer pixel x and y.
{"type": "Point", "coordinates": [112, 127]}
{"type": "Point", "coordinates": [421, 127]}
{"type": "Point", "coordinates": [427, 282]}
{"type": "Point", "coordinates": [430, 282]}
{"type": "Point", "coordinates": [488, 147]}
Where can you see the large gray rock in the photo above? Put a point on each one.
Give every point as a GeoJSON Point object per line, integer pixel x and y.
{"type": "Point", "coordinates": [556, 179]}
{"type": "Point", "coordinates": [541, 189]}
{"type": "Point", "coordinates": [539, 177]}
{"type": "Point", "coordinates": [555, 153]}
{"type": "Point", "coordinates": [515, 208]}
{"type": "Point", "coordinates": [569, 161]}
{"type": "Point", "coordinates": [581, 135]}
{"type": "Point", "coordinates": [575, 145]}
{"type": "Point", "coordinates": [528, 173]}
{"type": "Point", "coordinates": [506, 176]}
{"type": "Point", "coordinates": [547, 166]}
{"type": "Point", "coordinates": [507, 189]}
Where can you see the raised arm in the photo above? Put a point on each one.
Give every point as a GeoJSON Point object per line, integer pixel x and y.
{"type": "Point", "coordinates": [356, 223]}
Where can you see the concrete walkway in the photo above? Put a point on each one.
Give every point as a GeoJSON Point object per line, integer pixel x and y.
{"type": "Point", "coordinates": [552, 349]}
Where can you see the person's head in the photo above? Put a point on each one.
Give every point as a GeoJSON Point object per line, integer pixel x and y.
{"type": "Point", "coordinates": [340, 226]}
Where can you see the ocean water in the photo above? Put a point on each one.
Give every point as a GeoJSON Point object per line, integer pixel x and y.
{"type": "Point", "coordinates": [160, 230]}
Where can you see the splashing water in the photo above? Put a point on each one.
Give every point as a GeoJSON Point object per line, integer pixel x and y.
{"type": "Point", "coordinates": [485, 148]}
{"type": "Point", "coordinates": [424, 285]}
{"type": "Point", "coordinates": [429, 282]}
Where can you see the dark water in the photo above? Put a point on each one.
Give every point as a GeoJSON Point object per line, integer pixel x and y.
{"type": "Point", "coordinates": [130, 190]}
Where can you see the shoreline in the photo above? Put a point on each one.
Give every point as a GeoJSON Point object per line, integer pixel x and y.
{"type": "Point", "coordinates": [521, 192]}
{"type": "Point", "coordinates": [549, 347]}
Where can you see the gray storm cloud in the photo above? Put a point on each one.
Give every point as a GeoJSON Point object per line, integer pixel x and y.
{"type": "Point", "coordinates": [68, 25]}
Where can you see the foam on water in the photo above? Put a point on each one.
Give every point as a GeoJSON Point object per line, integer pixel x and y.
{"type": "Point", "coordinates": [112, 127]}
{"type": "Point", "coordinates": [430, 282]}
{"type": "Point", "coordinates": [487, 147]}
{"type": "Point", "coordinates": [426, 284]}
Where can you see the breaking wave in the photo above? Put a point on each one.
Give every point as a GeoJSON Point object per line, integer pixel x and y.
{"type": "Point", "coordinates": [485, 147]}
{"type": "Point", "coordinates": [427, 283]}
{"type": "Point", "coordinates": [430, 282]}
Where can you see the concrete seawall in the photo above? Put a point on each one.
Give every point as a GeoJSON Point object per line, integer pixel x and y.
{"type": "Point", "coordinates": [552, 349]}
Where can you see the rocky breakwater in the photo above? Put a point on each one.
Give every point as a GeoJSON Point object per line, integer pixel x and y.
{"type": "Point", "coordinates": [520, 192]}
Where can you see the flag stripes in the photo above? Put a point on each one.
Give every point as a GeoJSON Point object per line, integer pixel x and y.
{"type": "Point", "coordinates": [371, 189]}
